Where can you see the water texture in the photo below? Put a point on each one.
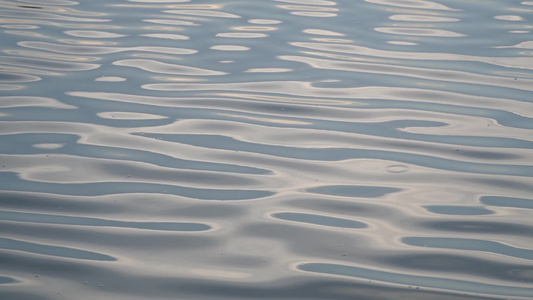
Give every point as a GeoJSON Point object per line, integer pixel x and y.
{"type": "Point", "coordinates": [269, 149]}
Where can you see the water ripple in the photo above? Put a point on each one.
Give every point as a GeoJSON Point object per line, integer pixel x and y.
{"type": "Point", "coordinates": [319, 220]}
{"type": "Point", "coordinates": [293, 149]}
{"type": "Point", "coordinates": [413, 280]}
{"type": "Point", "coordinates": [11, 244]}
{"type": "Point", "coordinates": [469, 244]}
{"type": "Point", "coordinates": [83, 221]}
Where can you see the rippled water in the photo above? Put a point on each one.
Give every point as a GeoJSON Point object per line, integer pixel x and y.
{"type": "Point", "coordinates": [274, 149]}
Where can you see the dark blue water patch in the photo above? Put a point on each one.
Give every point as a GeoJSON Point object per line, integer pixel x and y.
{"type": "Point", "coordinates": [507, 202]}
{"type": "Point", "coordinates": [319, 220]}
{"type": "Point", "coordinates": [505, 118]}
{"type": "Point", "coordinates": [23, 295]}
{"type": "Point", "coordinates": [53, 203]}
{"type": "Point", "coordinates": [6, 280]}
{"type": "Point", "coordinates": [10, 182]}
{"type": "Point", "coordinates": [11, 244]}
{"type": "Point", "coordinates": [479, 227]}
{"type": "Point", "coordinates": [112, 237]}
{"type": "Point", "coordinates": [505, 183]}
{"type": "Point", "coordinates": [338, 154]}
{"type": "Point", "coordinates": [21, 144]}
{"type": "Point", "coordinates": [455, 263]}
{"type": "Point", "coordinates": [469, 244]}
{"type": "Point", "coordinates": [210, 211]}
{"type": "Point", "coordinates": [35, 113]}
{"type": "Point", "coordinates": [359, 191]}
{"type": "Point", "coordinates": [30, 6]}
{"type": "Point", "coordinates": [302, 288]}
{"type": "Point", "coordinates": [15, 77]}
{"type": "Point", "coordinates": [458, 210]}
{"type": "Point", "coordinates": [85, 221]}
{"type": "Point", "coordinates": [416, 280]}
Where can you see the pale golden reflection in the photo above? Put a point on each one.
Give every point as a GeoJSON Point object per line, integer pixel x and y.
{"type": "Point", "coordinates": [254, 28]}
{"type": "Point", "coordinates": [509, 18]}
{"type": "Point", "coordinates": [29, 101]}
{"type": "Point", "coordinates": [49, 146]}
{"type": "Point", "coordinates": [203, 13]}
{"type": "Point", "coordinates": [165, 68]}
{"type": "Point", "coordinates": [87, 43]}
{"type": "Point", "coordinates": [422, 4]}
{"type": "Point", "coordinates": [197, 6]}
{"type": "Point", "coordinates": [310, 2]}
{"type": "Point", "coordinates": [121, 115]}
{"type": "Point", "coordinates": [110, 79]}
{"type": "Point", "coordinates": [313, 14]}
{"type": "Point", "coordinates": [160, 1]}
{"type": "Point", "coordinates": [419, 31]}
{"type": "Point", "coordinates": [163, 28]}
{"type": "Point", "coordinates": [322, 32]}
{"type": "Point", "coordinates": [229, 48]}
{"type": "Point", "coordinates": [268, 70]}
{"type": "Point", "coordinates": [20, 26]}
{"type": "Point", "coordinates": [178, 79]}
{"type": "Point", "coordinates": [166, 36]}
{"type": "Point", "coordinates": [268, 120]}
{"type": "Point", "coordinates": [171, 22]}
{"type": "Point", "coordinates": [403, 43]}
{"type": "Point", "coordinates": [241, 35]}
{"type": "Point", "coordinates": [422, 18]}
{"type": "Point", "coordinates": [93, 34]}
{"type": "Point", "coordinates": [264, 21]}
{"type": "Point", "coordinates": [307, 8]}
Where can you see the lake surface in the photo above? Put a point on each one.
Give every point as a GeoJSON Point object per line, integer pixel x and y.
{"type": "Point", "coordinates": [267, 149]}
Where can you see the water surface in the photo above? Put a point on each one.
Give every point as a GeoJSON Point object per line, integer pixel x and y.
{"type": "Point", "coordinates": [276, 149]}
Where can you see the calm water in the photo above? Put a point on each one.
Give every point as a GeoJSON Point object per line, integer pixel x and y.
{"type": "Point", "coordinates": [266, 149]}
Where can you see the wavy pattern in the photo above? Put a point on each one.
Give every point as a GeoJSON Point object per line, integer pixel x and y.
{"type": "Point", "coordinates": [279, 149]}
